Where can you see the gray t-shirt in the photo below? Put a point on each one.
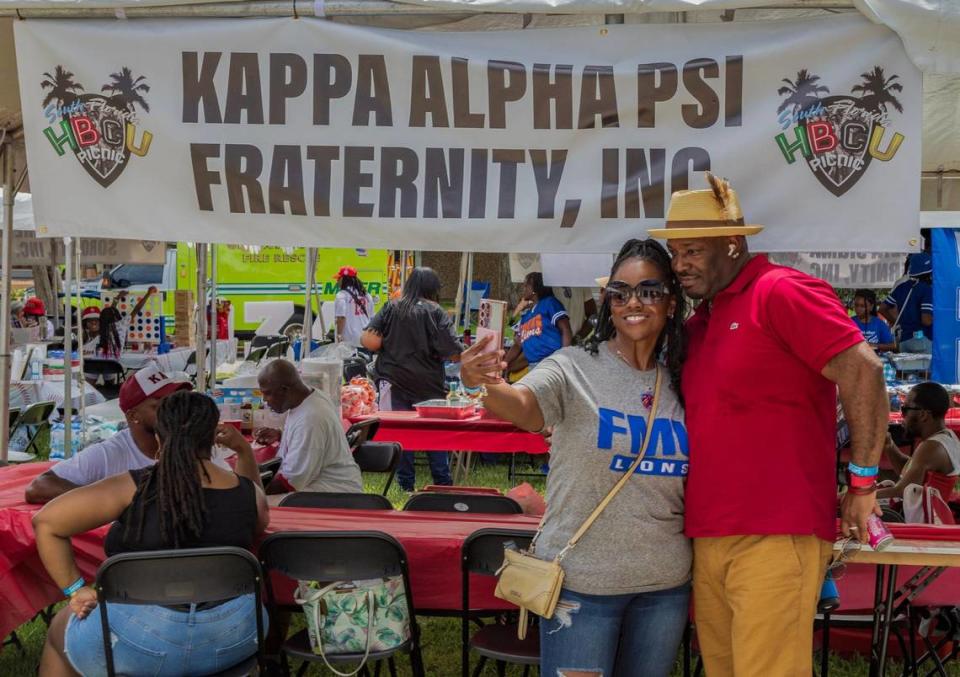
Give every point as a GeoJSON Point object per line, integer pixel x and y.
{"type": "Point", "coordinates": [598, 406]}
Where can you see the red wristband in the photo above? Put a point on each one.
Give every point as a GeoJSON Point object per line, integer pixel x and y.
{"type": "Point", "coordinates": [860, 481]}
{"type": "Point", "coordinates": [862, 491]}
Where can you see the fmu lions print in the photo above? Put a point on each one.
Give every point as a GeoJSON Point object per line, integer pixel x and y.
{"type": "Point", "coordinates": [839, 134]}
{"type": "Point", "coordinates": [100, 128]}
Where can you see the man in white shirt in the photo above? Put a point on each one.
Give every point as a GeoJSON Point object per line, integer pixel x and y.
{"type": "Point", "coordinates": [132, 448]}
{"type": "Point", "coordinates": [314, 454]}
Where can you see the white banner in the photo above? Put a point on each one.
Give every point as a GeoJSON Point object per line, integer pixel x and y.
{"type": "Point", "coordinates": [29, 250]}
{"type": "Point", "coordinates": [848, 270]}
{"type": "Point", "coordinates": [307, 132]}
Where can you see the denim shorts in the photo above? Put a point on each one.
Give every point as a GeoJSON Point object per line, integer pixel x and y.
{"type": "Point", "coordinates": [155, 640]}
{"type": "Point", "coordinates": [636, 634]}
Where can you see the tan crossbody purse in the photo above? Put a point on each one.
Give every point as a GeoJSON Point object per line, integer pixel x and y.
{"type": "Point", "coordinates": [534, 584]}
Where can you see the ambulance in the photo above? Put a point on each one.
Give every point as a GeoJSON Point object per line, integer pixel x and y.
{"type": "Point", "coordinates": [253, 274]}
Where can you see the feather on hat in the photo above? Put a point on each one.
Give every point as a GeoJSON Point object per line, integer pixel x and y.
{"type": "Point", "coordinates": [714, 212]}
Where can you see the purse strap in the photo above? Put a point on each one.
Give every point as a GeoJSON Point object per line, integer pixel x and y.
{"type": "Point", "coordinates": [622, 482]}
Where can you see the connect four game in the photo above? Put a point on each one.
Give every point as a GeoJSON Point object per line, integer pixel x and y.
{"type": "Point", "coordinates": [145, 327]}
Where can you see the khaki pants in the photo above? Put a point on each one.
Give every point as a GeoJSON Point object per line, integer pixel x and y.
{"type": "Point", "coordinates": [755, 598]}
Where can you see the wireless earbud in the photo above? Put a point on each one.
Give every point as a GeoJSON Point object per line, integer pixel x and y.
{"type": "Point", "coordinates": [732, 251]}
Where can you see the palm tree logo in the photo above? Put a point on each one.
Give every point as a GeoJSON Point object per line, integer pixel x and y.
{"type": "Point", "coordinates": [63, 88]}
{"type": "Point", "coordinates": [126, 90]}
{"type": "Point", "coordinates": [802, 93]}
{"type": "Point", "coordinates": [875, 91]}
{"type": "Point", "coordinates": [101, 126]}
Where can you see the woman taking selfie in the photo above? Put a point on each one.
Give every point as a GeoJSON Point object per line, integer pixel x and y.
{"type": "Point", "coordinates": [184, 501]}
{"type": "Point", "coordinates": [624, 601]}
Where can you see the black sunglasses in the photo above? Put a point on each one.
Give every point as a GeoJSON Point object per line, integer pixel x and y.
{"type": "Point", "coordinates": [648, 292]}
{"type": "Point", "coordinates": [904, 409]}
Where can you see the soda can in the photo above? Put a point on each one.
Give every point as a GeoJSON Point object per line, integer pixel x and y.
{"type": "Point", "coordinates": [878, 534]}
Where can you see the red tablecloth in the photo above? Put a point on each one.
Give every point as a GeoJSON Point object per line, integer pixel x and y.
{"type": "Point", "coordinates": [261, 453]}
{"type": "Point", "coordinates": [432, 542]}
{"type": "Point", "coordinates": [415, 433]}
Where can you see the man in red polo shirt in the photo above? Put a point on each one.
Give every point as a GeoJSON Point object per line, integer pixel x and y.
{"type": "Point", "coordinates": [769, 347]}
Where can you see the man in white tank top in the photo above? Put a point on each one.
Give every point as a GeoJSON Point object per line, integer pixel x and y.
{"type": "Point", "coordinates": [924, 412]}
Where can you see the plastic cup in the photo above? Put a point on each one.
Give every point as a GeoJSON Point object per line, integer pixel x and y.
{"type": "Point", "coordinates": [236, 423]}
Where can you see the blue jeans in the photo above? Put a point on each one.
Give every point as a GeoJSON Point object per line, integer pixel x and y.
{"type": "Point", "coordinates": [636, 635]}
{"type": "Point", "coordinates": [155, 640]}
{"type": "Point", "coordinates": [439, 460]}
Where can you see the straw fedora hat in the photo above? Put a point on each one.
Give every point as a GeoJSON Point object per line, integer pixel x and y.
{"type": "Point", "coordinates": [714, 212]}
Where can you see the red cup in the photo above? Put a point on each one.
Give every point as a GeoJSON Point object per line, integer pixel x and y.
{"type": "Point", "coordinates": [236, 423]}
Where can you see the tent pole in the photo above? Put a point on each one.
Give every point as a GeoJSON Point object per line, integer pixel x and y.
{"type": "Point", "coordinates": [68, 244]}
{"type": "Point", "coordinates": [317, 293]}
{"type": "Point", "coordinates": [201, 338]}
{"type": "Point", "coordinates": [214, 329]}
{"type": "Point", "coordinates": [6, 162]}
{"type": "Point", "coordinates": [264, 8]}
{"type": "Point", "coordinates": [83, 382]}
{"type": "Point", "coordinates": [53, 279]}
{"type": "Point", "coordinates": [462, 280]}
{"type": "Point", "coordinates": [469, 291]}
{"type": "Point", "coordinates": [306, 335]}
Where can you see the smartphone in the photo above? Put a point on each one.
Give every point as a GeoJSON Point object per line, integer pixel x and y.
{"type": "Point", "coordinates": [491, 320]}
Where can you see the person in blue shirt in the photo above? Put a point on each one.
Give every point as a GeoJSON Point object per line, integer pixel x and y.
{"type": "Point", "coordinates": [875, 330]}
{"type": "Point", "coordinates": [544, 324]}
{"type": "Point", "coordinates": [909, 307]}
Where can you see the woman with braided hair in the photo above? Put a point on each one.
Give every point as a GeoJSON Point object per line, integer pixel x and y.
{"type": "Point", "coordinates": [352, 308]}
{"type": "Point", "coordinates": [184, 501]}
{"type": "Point", "coordinates": [623, 606]}
{"type": "Point", "coordinates": [114, 326]}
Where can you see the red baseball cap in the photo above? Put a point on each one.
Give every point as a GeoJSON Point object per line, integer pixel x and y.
{"type": "Point", "coordinates": [348, 271]}
{"type": "Point", "coordinates": [146, 383]}
{"type": "Point", "coordinates": [91, 313]}
{"type": "Point", "coordinates": [34, 306]}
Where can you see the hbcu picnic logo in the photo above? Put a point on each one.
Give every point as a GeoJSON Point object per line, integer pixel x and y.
{"type": "Point", "coordinates": [841, 134]}
{"type": "Point", "coordinates": [101, 129]}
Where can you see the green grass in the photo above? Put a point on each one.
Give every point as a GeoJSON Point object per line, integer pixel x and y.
{"type": "Point", "coordinates": [440, 636]}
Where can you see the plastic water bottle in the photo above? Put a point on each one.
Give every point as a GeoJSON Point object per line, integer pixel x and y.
{"type": "Point", "coordinates": [56, 441]}
{"type": "Point", "coordinates": [829, 595]}
{"type": "Point", "coordinates": [889, 373]}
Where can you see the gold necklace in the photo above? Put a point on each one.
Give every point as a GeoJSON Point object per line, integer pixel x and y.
{"type": "Point", "coordinates": [624, 358]}
{"type": "Point", "coordinates": [632, 366]}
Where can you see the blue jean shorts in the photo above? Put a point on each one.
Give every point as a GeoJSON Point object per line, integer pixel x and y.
{"type": "Point", "coordinates": [158, 641]}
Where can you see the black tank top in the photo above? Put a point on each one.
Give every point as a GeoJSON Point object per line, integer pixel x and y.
{"type": "Point", "coordinates": [231, 519]}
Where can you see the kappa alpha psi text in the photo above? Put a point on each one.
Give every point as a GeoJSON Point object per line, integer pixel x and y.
{"type": "Point", "coordinates": [100, 129]}
{"type": "Point", "coordinates": [838, 135]}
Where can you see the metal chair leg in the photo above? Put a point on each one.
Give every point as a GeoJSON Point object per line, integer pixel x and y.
{"type": "Point", "coordinates": [13, 640]}
{"type": "Point", "coordinates": [501, 669]}
{"type": "Point", "coordinates": [386, 488]}
{"type": "Point", "coordinates": [392, 667]}
{"type": "Point", "coordinates": [477, 670]}
{"type": "Point", "coordinates": [825, 646]}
